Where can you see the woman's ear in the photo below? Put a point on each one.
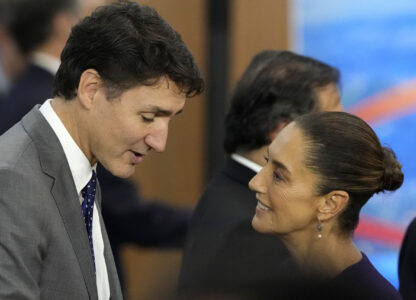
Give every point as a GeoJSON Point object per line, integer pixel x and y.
{"type": "Point", "coordinates": [332, 204]}
{"type": "Point", "coordinates": [88, 86]}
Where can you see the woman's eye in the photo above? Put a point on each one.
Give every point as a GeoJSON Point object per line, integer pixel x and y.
{"type": "Point", "coordinates": [266, 159]}
{"type": "Point", "coordinates": [277, 176]}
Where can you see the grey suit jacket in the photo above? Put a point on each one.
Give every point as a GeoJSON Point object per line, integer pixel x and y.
{"type": "Point", "coordinates": [44, 249]}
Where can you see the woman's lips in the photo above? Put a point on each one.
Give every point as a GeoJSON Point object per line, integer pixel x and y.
{"type": "Point", "coordinates": [262, 207]}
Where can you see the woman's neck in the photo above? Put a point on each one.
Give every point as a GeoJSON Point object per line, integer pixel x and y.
{"type": "Point", "coordinates": [329, 255]}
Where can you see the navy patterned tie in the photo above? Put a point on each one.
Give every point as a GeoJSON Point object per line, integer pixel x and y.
{"type": "Point", "coordinates": [87, 206]}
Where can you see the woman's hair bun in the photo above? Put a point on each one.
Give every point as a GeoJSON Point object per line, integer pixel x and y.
{"type": "Point", "coordinates": [393, 175]}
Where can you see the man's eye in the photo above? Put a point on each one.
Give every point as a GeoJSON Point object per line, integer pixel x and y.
{"type": "Point", "coordinates": [148, 118]}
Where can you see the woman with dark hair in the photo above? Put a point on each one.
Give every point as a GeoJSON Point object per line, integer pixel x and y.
{"type": "Point", "coordinates": [321, 169]}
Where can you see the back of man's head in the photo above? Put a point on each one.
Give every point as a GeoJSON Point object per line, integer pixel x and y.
{"type": "Point", "coordinates": [128, 45]}
{"type": "Point", "coordinates": [33, 20]}
{"type": "Point", "coordinates": [276, 87]}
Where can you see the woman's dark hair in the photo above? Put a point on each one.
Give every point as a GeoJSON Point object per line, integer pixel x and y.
{"type": "Point", "coordinates": [276, 86]}
{"type": "Point", "coordinates": [347, 155]}
{"type": "Point", "coordinates": [128, 45]}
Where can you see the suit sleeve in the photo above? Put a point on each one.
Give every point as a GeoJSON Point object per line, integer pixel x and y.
{"type": "Point", "coordinates": [21, 238]}
{"type": "Point", "coordinates": [407, 263]}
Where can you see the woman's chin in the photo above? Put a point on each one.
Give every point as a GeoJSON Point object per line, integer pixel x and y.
{"type": "Point", "coordinates": [258, 225]}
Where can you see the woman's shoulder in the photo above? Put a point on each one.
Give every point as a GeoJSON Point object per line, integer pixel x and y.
{"type": "Point", "coordinates": [364, 281]}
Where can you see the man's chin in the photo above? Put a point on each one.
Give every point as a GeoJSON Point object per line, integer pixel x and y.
{"type": "Point", "coordinates": [124, 172]}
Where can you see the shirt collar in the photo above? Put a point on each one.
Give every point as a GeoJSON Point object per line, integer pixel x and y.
{"type": "Point", "coordinates": [45, 61]}
{"type": "Point", "coordinates": [79, 164]}
{"type": "Point", "coordinates": [246, 162]}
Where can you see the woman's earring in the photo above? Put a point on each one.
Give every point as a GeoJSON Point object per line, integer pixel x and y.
{"type": "Point", "coordinates": [319, 228]}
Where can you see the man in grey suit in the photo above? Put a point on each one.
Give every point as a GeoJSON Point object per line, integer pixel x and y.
{"type": "Point", "coordinates": [124, 74]}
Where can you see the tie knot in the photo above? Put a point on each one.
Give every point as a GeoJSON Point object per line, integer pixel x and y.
{"type": "Point", "coordinates": [89, 189]}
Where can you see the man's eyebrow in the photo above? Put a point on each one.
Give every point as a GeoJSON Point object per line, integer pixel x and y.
{"type": "Point", "coordinates": [160, 111]}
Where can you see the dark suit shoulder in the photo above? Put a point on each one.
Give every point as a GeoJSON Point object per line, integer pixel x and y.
{"type": "Point", "coordinates": [222, 247]}
{"type": "Point", "coordinates": [31, 88]}
{"type": "Point", "coordinates": [225, 199]}
{"type": "Point", "coordinates": [33, 83]}
{"type": "Point", "coordinates": [407, 263]}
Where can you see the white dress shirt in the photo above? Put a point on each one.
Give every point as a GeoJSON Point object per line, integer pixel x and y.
{"type": "Point", "coordinates": [81, 173]}
{"type": "Point", "coordinates": [246, 162]}
{"type": "Point", "coordinates": [45, 61]}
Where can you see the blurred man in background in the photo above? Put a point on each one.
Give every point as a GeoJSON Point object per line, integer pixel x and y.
{"type": "Point", "coordinates": [12, 61]}
{"type": "Point", "coordinates": [40, 29]}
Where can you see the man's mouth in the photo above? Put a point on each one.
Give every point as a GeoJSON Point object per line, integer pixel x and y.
{"type": "Point", "coordinates": [136, 153]}
{"type": "Point", "coordinates": [138, 157]}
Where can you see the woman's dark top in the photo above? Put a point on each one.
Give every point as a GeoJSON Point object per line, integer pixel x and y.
{"type": "Point", "coordinates": [363, 281]}
{"type": "Point", "coordinates": [360, 281]}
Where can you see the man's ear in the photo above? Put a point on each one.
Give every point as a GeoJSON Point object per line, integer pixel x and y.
{"type": "Point", "coordinates": [274, 132]}
{"type": "Point", "coordinates": [89, 83]}
{"type": "Point", "coordinates": [332, 204]}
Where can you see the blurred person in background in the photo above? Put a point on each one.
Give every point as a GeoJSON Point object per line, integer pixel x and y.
{"type": "Point", "coordinates": [310, 193]}
{"type": "Point", "coordinates": [41, 29]}
{"type": "Point", "coordinates": [12, 61]}
{"type": "Point", "coordinates": [223, 254]}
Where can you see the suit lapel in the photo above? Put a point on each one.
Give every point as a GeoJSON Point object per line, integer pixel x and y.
{"type": "Point", "coordinates": [54, 164]}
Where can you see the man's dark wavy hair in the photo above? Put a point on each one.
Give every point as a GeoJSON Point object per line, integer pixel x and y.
{"type": "Point", "coordinates": [128, 45]}
{"type": "Point", "coordinates": [276, 86]}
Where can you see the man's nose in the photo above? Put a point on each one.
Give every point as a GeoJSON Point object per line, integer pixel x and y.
{"type": "Point", "coordinates": [158, 137]}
